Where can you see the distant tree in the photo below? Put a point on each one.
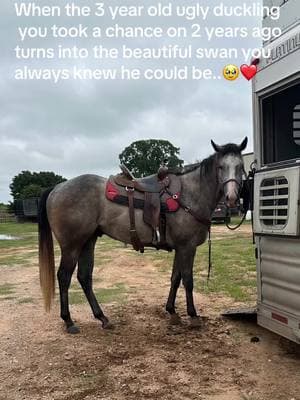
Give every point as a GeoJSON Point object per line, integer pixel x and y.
{"type": "Point", "coordinates": [145, 156]}
{"type": "Point", "coordinates": [32, 190]}
{"type": "Point", "coordinates": [31, 184]}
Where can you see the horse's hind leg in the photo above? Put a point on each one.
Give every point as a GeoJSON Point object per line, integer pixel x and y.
{"type": "Point", "coordinates": [84, 275]}
{"type": "Point", "coordinates": [64, 275]}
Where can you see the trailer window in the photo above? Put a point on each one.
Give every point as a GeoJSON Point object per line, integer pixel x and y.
{"type": "Point", "coordinates": [280, 120]}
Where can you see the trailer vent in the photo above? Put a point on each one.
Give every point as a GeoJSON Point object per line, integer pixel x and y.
{"type": "Point", "coordinates": [296, 124]}
{"type": "Point", "coordinates": [274, 202]}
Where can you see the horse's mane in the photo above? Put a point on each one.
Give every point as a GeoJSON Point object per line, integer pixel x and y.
{"type": "Point", "coordinates": [207, 164]}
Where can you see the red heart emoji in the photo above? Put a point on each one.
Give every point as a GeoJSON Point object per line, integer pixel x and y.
{"type": "Point", "coordinates": [249, 71]}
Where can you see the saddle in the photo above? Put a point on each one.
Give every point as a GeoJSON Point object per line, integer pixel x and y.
{"type": "Point", "coordinates": [152, 194]}
{"type": "Point", "coordinates": [149, 184]}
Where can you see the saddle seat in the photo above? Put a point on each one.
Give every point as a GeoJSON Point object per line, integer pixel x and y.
{"type": "Point", "coordinates": [150, 184]}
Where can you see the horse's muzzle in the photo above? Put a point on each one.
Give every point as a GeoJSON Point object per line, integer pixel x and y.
{"type": "Point", "coordinates": [231, 193]}
{"type": "Point", "coordinates": [231, 201]}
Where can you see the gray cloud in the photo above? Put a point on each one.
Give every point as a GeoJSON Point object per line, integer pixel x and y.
{"type": "Point", "coordinates": [80, 127]}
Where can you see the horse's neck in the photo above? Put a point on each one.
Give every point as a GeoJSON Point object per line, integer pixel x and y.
{"type": "Point", "coordinates": [201, 191]}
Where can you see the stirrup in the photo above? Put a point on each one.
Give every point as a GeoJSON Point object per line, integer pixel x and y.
{"type": "Point", "coordinates": [157, 235]}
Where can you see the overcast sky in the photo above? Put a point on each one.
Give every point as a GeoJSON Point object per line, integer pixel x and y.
{"type": "Point", "coordinates": [73, 128]}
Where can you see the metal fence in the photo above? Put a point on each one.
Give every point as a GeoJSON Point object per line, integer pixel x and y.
{"type": "Point", "coordinates": [23, 210]}
{"type": "Point", "coordinates": [5, 217]}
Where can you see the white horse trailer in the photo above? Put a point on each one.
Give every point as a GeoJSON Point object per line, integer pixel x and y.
{"type": "Point", "coordinates": [276, 110]}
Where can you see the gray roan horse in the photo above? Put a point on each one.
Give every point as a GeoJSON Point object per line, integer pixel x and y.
{"type": "Point", "coordinates": [77, 212]}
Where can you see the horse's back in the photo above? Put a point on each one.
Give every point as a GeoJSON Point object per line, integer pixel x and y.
{"type": "Point", "coordinates": [83, 183]}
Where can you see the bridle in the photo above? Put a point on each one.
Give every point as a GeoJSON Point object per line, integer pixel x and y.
{"type": "Point", "coordinates": [240, 187]}
{"type": "Point", "coordinates": [232, 180]}
{"type": "Point", "coordinates": [224, 182]}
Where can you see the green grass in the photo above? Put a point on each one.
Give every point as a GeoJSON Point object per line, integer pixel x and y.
{"type": "Point", "coordinates": [18, 229]}
{"type": "Point", "coordinates": [23, 259]}
{"type": "Point", "coordinates": [233, 272]}
{"type": "Point", "coordinates": [115, 293]}
{"type": "Point", "coordinates": [26, 300]}
{"type": "Point", "coordinates": [236, 220]}
{"type": "Point", "coordinates": [7, 289]}
{"type": "Point", "coordinates": [26, 234]}
{"type": "Point", "coordinates": [233, 267]}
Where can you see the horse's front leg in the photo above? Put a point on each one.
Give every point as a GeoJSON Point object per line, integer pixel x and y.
{"type": "Point", "coordinates": [175, 282]}
{"type": "Point", "coordinates": [187, 255]}
{"type": "Point", "coordinates": [183, 269]}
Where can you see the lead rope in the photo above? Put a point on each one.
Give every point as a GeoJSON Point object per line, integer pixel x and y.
{"type": "Point", "coordinates": [233, 228]}
{"type": "Point", "coordinates": [209, 255]}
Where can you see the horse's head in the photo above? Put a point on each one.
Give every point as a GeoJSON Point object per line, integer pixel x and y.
{"type": "Point", "coordinates": [230, 170]}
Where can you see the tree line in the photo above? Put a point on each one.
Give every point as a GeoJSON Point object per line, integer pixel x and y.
{"type": "Point", "coordinates": [142, 157]}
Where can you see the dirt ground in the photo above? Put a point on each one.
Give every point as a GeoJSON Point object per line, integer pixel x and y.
{"type": "Point", "coordinates": [144, 357]}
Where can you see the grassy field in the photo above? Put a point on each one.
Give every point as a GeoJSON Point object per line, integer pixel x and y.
{"type": "Point", "coordinates": [233, 262]}
{"type": "Point", "coordinates": [233, 267]}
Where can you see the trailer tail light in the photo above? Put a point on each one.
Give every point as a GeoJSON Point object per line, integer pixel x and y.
{"type": "Point", "coordinates": [280, 318]}
{"type": "Point", "coordinates": [274, 202]}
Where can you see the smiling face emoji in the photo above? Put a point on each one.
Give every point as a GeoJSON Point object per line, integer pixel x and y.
{"type": "Point", "coordinates": [231, 72]}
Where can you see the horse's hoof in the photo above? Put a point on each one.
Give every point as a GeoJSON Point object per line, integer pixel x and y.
{"type": "Point", "coordinates": [107, 325]}
{"type": "Point", "coordinates": [196, 322]}
{"type": "Point", "coordinates": [73, 330]}
{"type": "Point", "coordinates": [175, 319]}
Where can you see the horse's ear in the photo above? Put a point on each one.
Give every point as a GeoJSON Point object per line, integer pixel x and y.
{"type": "Point", "coordinates": [216, 147]}
{"type": "Point", "coordinates": [243, 145]}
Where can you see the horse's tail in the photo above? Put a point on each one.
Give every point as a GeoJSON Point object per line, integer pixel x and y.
{"type": "Point", "coordinates": [46, 253]}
